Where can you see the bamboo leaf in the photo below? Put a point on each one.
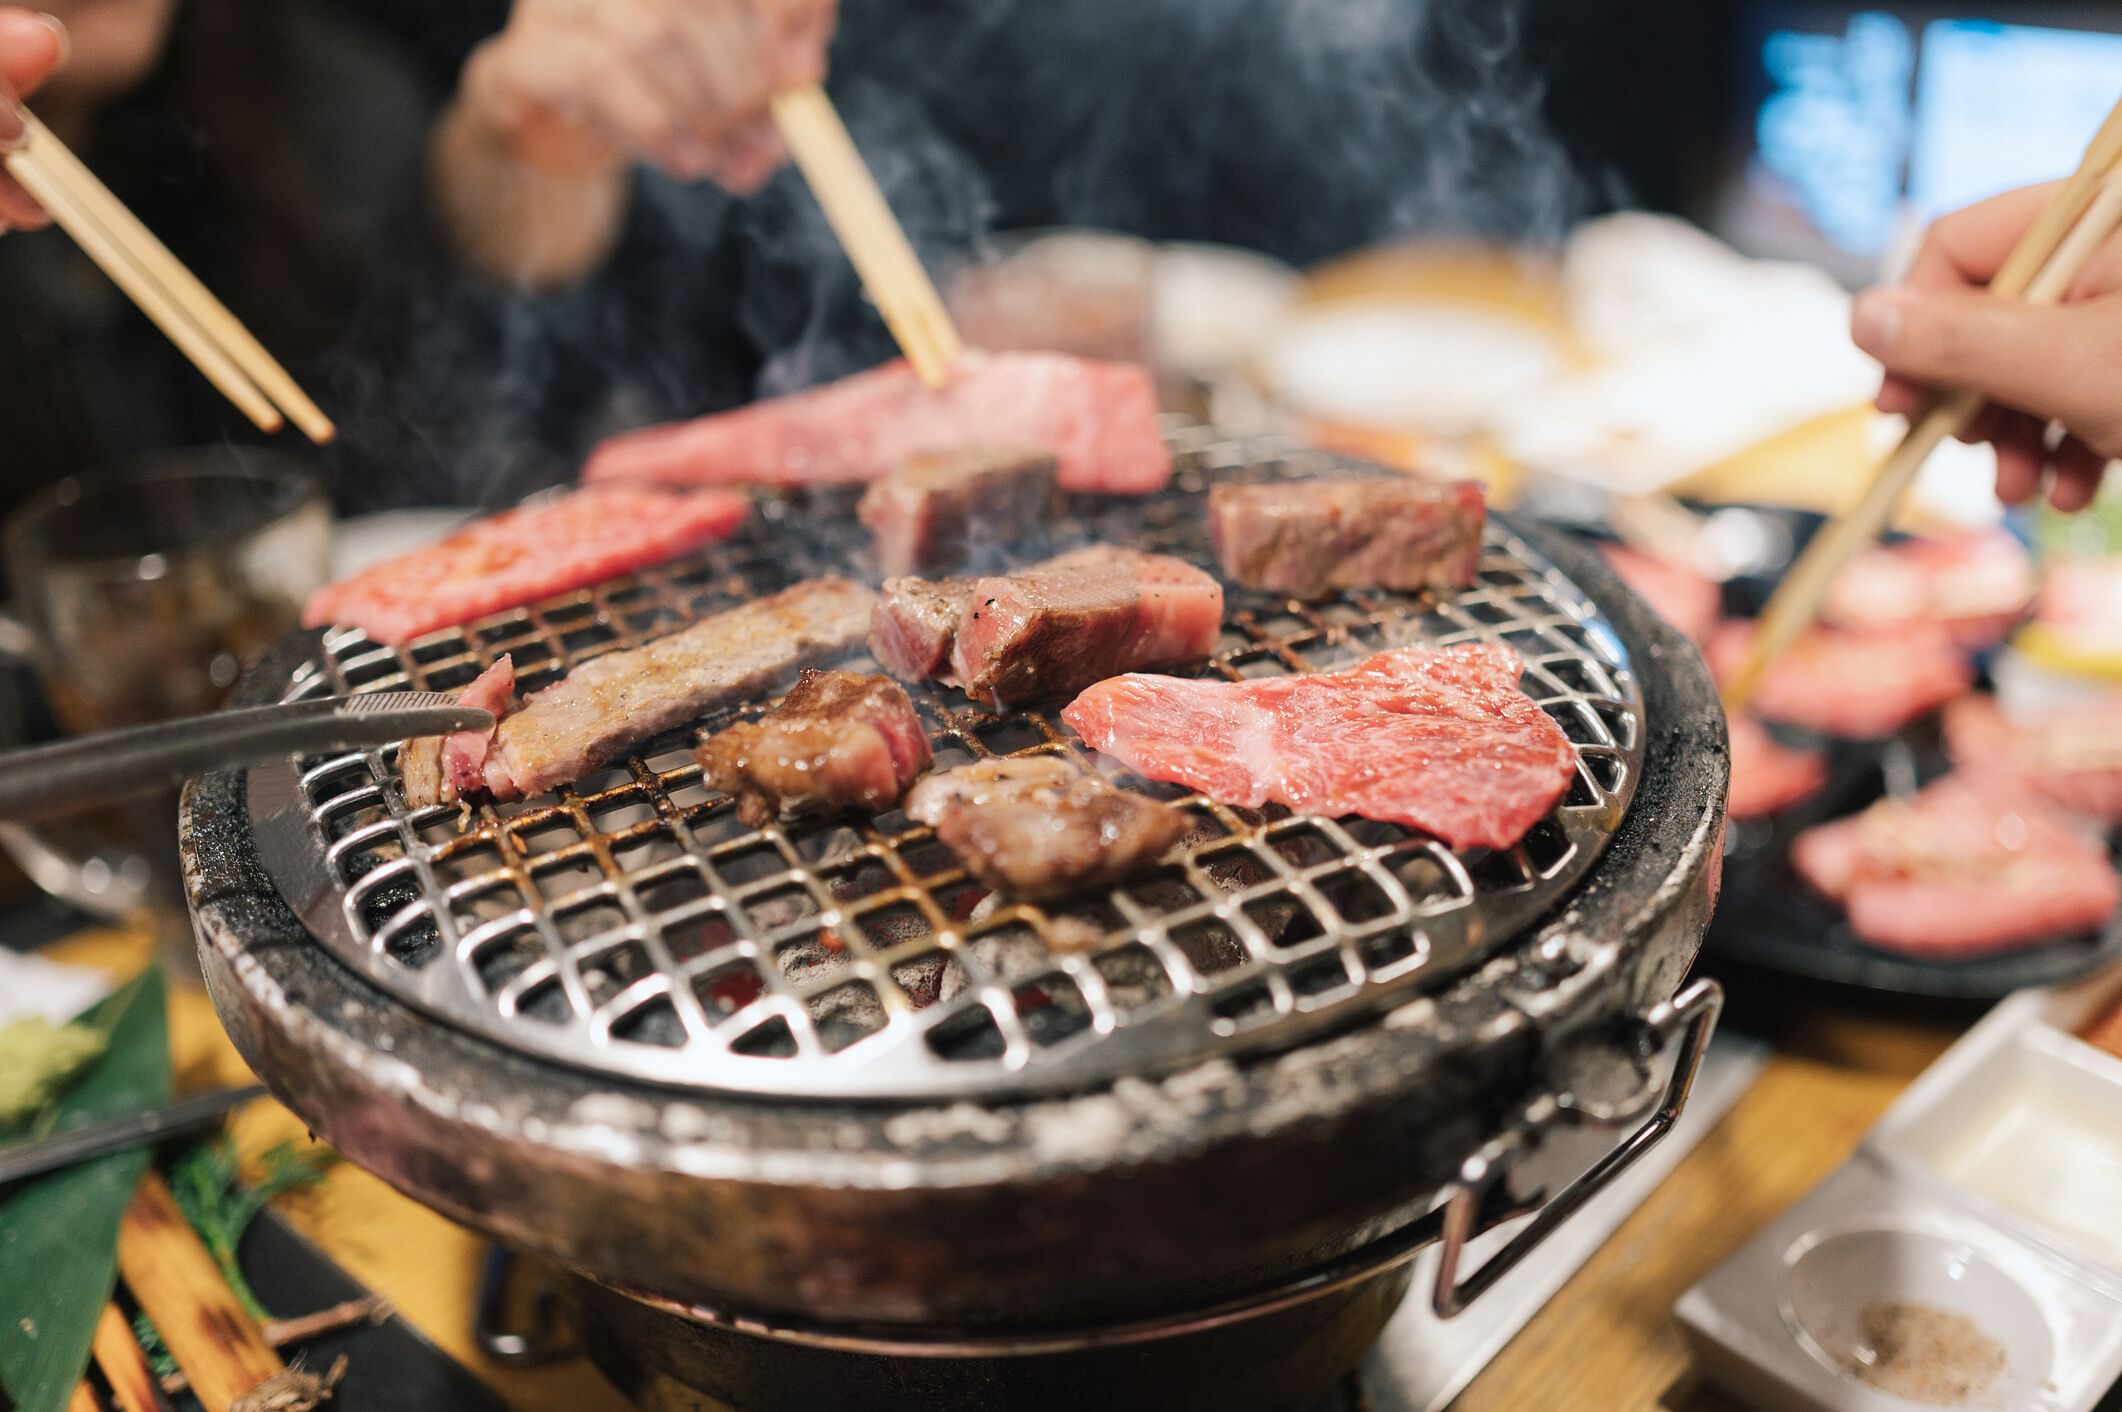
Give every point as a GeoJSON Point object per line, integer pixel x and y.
{"type": "Point", "coordinates": [59, 1234]}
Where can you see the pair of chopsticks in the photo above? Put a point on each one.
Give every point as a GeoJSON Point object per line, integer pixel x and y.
{"type": "Point", "coordinates": [168, 293]}
{"type": "Point", "coordinates": [872, 236]}
{"type": "Point", "coordinates": [2041, 269]}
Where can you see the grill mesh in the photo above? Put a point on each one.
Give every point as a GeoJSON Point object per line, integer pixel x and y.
{"type": "Point", "coordinates": [629, 924]}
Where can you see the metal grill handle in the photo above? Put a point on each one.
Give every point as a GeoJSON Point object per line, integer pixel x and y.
{"type": "Point", "coordinates": [1691, 1016]}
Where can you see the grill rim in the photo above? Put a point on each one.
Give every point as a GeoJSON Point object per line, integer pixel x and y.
{"type": "Point", "coordinates": [817, 1213]}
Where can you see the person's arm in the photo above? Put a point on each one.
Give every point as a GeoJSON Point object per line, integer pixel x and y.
{"type": "Point", "coordinates": [32, 45]}
{"type": "Point", "coordinates": [529, 166]}
{"type": "Point", "coordinates": [2059, 365]}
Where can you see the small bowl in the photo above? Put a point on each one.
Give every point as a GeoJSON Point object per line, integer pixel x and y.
{"type": "Point", "coordinates": [1834, 1278]}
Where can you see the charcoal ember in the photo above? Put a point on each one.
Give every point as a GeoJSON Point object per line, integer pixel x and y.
{"type": "Point", "coordinates": [940, 509]}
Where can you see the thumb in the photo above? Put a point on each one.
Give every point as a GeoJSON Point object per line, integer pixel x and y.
{"type": "Point", "coordinates": [31, 46]}
{"type": "Point", "coordinates": [2058, 362]}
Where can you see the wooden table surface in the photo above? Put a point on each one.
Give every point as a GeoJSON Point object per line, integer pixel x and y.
{"type": "Point", "coordinates": [1607, 1341]}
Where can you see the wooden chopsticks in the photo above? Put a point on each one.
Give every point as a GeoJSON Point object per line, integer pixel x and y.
{"type": "Point", "coordinates": [874, 241]}
{"type": "Point", "coordinates": [2041, 268]}
{"type": "Point", "coordinates": [168, 293]}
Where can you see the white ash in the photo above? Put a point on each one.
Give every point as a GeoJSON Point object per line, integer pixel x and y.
{"type": "Point", "coordinates": [960, 1120]}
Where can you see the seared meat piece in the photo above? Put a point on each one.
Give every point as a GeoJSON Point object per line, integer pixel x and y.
{"type": "Point", "coordinates": [1081, 618]}
{"type": "Point", "coordinates": [1100, 419]}
{"type": "Point", "coordinates": [522, 555]}
{"type": "Point", "coordinates": [939, 508]}
{"type": "Point", "coordinates": [1441, 740]}
{"type": "Point", "coordinates": [840, 740]}
{"type": "Point", "coordinates": [1042, 827]}
{"type": "Point", "coordinates": [916, 625]}
{"type": "Point", "coordinates": [613, 702]}
{"type": "Point", "coordinates": [444, 768]}
{"type": "Point", "coordinates": [1308, 538]}
{"type": "Point", "coordinates": [1051, 629]}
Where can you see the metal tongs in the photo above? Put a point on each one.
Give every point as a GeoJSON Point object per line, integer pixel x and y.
{"type": "Point", "coordinates": [72, 775]}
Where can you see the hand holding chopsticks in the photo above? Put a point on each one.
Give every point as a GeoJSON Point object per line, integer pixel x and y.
{"type": "Point", "coordinates": [2042, 268]}
{"type": "Point", "coordinates": [199, 324]}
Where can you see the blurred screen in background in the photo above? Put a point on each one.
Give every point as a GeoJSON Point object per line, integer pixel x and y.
{"type": "Point", "coordinates": [1855, 126]}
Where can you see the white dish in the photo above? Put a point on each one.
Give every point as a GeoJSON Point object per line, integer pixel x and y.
{"type": "Point", "coordinates": [1406, 364]}
{"type": "Point", "coordinates": [1781, 1322]}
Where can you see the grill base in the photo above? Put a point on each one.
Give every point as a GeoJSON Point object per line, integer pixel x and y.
{"type": "Point", "coordinates": [1285, 1361]}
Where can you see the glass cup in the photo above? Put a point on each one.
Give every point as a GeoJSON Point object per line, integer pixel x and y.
{"type": "Point", "coordinates": [140, 593]}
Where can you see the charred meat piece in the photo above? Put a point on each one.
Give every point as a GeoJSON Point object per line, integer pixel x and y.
{"type": "Point", "coordinates": [441, 769]}
{"type": "Point", "coordinates": [1440, 740]}
{"type": "Point", "coordinates": [916, 625]}
{"type": "Point", "coordinates": [613, 702]}
{"type": "Point", "coordinates": [1855, 685]}
{"type": "Point", "coordinates": [1309, 538]}
{"type": "Point", "coordinates": [840, 740]}
{"type": "Point", "coordinates": [1967, 866]}
{"type": "Point", "coordinates": [522, 555]}
{"type": "Point", "coordinates": [1051, 629]}
{"type": "Point", "coordinates": [939, 508]}
{"type": "Point", "coordinates": [1041, 827]}
{"type": "Point", "coordinates": [1099, 419]}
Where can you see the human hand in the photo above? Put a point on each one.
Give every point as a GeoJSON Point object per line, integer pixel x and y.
{"type": "Point", "coordinates": [584, 87]}
{"type": "Point", "coordinates": [31, 46]}
{"type": "Point", "coordinates": [2058, 365]}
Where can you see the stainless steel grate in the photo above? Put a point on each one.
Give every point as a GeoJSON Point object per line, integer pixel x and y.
{"type": "Point", "coordinates": [631, 925]}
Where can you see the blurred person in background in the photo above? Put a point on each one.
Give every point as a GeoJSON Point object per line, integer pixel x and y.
{"type": "Point", "coordinates": [269, 143]}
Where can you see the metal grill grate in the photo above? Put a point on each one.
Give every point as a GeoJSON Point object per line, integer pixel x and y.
{"type": "Point", "coordinates": [629, 924]}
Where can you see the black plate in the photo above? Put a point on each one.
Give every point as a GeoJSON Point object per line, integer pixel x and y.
{"type": "Point", "coordinates": [1769, 919]}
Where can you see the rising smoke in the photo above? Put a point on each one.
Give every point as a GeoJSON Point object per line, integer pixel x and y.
{"type": "Point", "coordinates": [1299, 127]}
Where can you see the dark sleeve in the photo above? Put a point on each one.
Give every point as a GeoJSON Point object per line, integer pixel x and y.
{"type": "Point", "coordinates": [454, 389]}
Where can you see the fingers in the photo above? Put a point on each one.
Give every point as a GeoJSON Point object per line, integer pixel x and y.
{"type": "Point", "coordinates": [799, 32]}
{"type": "Point", "coordinates": [1968, 247]}
{"type": "Point", "coordinates": [2059, 363]}
{"type": "Point", "coordinates": [751, 155]}
{"type": "Point", "coordinates": [2079, 469]}
{"type": "Point", "coordinates": [2022, 453]}
{"type": "Point", "coordinates": [682, 84]}
{"type": "Point", "coordinates": [31, 46]}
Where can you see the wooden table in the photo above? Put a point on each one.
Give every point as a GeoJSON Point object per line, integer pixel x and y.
{"type": "Point", "coordinates": [1607, 1341]}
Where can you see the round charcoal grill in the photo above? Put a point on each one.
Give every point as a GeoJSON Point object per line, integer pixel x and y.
{"type": "Point", "coordinates": [809, 1089]}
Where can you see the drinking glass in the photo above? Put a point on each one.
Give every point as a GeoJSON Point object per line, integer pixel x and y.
{"type": "Point", "coordinates": [140, 592]}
